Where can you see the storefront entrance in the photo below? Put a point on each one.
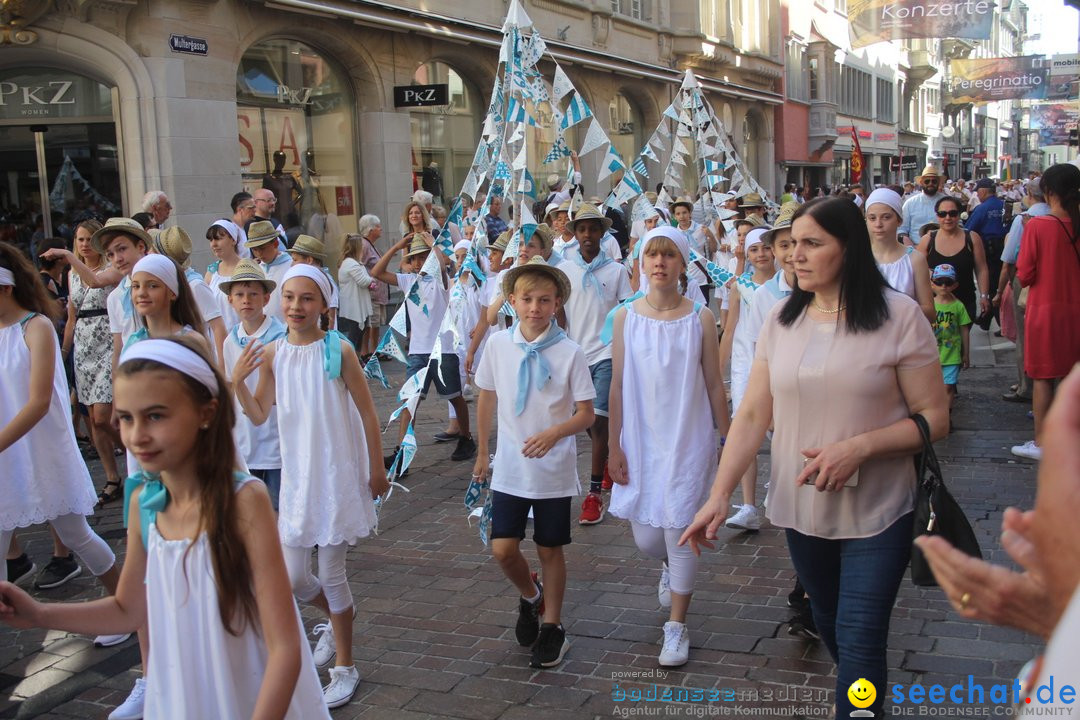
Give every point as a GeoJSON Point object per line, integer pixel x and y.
{"type": "Point", "coordinates": [58, 152]}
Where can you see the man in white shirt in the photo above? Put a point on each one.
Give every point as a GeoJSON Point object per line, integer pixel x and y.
{"type": "Point", "coordinates": [919, 209]}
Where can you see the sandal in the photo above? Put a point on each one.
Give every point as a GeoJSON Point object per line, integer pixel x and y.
{"type": "Point", "coordinates": [106, 495]}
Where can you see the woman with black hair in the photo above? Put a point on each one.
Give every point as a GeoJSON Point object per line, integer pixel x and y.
{"type": "Point", "coordinates": [1049, 265]}
{"type": "Point", "coordinates": [839, 367]}
{"type": "Point", "coordinates": [962, 249]}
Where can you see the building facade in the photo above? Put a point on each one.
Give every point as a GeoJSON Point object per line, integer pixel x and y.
{"type": "Point", "coordinates": [103, 100]}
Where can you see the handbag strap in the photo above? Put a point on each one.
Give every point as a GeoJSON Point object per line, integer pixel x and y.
{"type": "Point", "coordinates": [926, 459]}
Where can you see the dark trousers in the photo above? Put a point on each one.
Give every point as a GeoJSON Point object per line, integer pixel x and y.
{"type": "Point", "coordinates": [852, 586]}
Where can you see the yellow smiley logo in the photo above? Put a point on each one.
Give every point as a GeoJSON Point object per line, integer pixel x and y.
{"type": "Point", "coordinates": [862, 693]}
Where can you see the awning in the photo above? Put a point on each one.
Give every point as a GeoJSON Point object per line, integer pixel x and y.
{"type": "Point", "coordinates": [376, 14]}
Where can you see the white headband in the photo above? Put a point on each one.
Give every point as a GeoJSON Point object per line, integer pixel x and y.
{"type": "Point", "coordinates": [176, 356]}
{"type": "Point", "coordinates": [311, 273]}
{"type": "Point", "coordinates": [755, 236]}
{"type": "Point", "coordinates": [674, 235]}
{"type": "Point", "coordinates": [885, 196]}
{"type": "Point", "coordinates": [6, 277]}
{"type": "Point", "coordinates": [462, 245]}
{"type": "Point", "coordinates": [230, 227]}
{"type": "Point", "coordinates": [162, 268]}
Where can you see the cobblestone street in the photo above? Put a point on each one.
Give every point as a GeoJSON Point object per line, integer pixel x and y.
{"type": "Point", "coordinates": [434, 615]}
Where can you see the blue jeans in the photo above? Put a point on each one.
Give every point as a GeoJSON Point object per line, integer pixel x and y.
{"type": "Point", "coordinates": [852, 586]}
{"type": "Point", "coordinates": [272, 478]}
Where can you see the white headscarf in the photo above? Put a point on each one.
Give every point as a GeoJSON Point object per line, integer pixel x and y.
{"type": "Point", "coordinates": [312, 273]}
{"type": "Point", "coordinates": [176, 356]}
{"type": "Point", "coordinates": [885, 196]}
{"type": "Point", "coordinates": [162, 268]}
{"type": "Point", "coordinates": [673, 234]}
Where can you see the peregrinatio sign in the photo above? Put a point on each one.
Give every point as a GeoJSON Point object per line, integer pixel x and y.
{"type": "Point", "coordinates": [879, 20]}
{"type": "Point", "coordinates": [988, 79]}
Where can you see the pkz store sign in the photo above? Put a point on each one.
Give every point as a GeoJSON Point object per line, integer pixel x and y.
{"type": "Point", "coordinates": [421, 95]}
{"type": "Point", "coordinates": [33, 93]}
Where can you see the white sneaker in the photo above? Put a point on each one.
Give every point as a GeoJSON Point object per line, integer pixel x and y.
{"type": "Point", "coordinates": [132, 707]}
{"type": "Point", "coordinates": [326, 649]}
{"type": "Point", "coordinates": [1028, 450]}
{"type": "Point", "coordinates": [102, 641]}
{"type": "Point", "coordinates": [747, 518]}
{"type": "Point", "coordinates": [343, 684]}
{"type": "Point", "coordinates": [676, 650]}
{"type": "Point", "coordinates": [663, 590]}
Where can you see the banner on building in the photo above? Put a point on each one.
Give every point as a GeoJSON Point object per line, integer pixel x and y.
{"type": "Point", "coordinates": [857, 163]}
{"type": "Point", "coordinates": [873, 21]}
{"type": "Point", "coordinates": [1054, 121]}
{"type": "Point", "coordinates": [1064, 75]}
{"type": "Point", "coordinates": [990, 79]}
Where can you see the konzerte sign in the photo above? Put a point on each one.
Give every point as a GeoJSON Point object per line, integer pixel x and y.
{"type": "Point", "coordinates": [878, 20]}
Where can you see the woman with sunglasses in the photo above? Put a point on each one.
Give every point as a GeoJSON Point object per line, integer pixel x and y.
{"type": "Point", "coordinates": [962, 249]}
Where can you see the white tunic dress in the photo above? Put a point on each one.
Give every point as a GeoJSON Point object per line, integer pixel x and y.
{"type": "Point", "coordinates": [668, 438]}
{"type": "Point", "coordinates": [198, 669]}
{"type": "Point", "coordinates": [900, 275]}
{"type": "Point", "coordinates": [42, 474]}
{"type": "Point", "coordinates": [325, 498]}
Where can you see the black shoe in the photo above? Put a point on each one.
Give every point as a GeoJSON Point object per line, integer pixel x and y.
{"type": "Point", "coordinates": [465, 450]}
{"type": "Point", "coordinates": [802, 625]}
{"type": "Point", "coordinates": [797, 599]}
{"type": "Point", "coordinates": [20, 569]}
{"type": "Point", "coordinates": [441, 437]}
{"type": "Point", "coordinates": [550, 647]}
{"type": "Point", "coordinates": [388, 460]}
{"type": "Point", "coordinates": [528, 622]}
{"type": "Point", "coordinates": [57, 572]}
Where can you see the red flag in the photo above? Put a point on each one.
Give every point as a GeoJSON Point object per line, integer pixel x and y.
{"type": "Point", "coordinates": [856, 157]}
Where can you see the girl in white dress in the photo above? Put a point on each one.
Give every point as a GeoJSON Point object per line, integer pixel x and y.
{"type": "Point", "coordinates": [204, 569]}
{"type": "Point", "coordinates": [331, 458]}
{"type": "Point", "coordinates": [224, 237]}
{"type": "Point", "coordinates": [663, 445]}
{"type": "Point", "coordinates": [904, 269]}
{"type": "Point", "coordinates": [42, 474]}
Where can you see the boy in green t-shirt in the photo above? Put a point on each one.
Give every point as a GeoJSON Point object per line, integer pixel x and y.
{"type": "Point", "coordinates": [953, 327]}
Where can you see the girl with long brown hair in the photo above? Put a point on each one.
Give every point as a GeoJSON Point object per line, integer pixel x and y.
{"type": "Point", "coordinates": [204, 567]}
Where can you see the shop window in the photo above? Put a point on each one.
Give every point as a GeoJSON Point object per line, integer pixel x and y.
{"type": "Point", "coordinates": [624, 128]}
{"type": "Point", "coordinates": [295, 118]}
{"type": "Point", "coordinates": [444, 137]}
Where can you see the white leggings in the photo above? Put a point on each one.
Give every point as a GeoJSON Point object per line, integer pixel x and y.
{"type": "Point", "coordinates": [331, 581]}
{"type": "Point", "coordinates": [661, 543]}
{"type": "Point", "coordinates": [76, 534]}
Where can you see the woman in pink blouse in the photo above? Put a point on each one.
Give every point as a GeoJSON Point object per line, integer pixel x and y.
{"type": "Point", "coordinates": [839, 368]}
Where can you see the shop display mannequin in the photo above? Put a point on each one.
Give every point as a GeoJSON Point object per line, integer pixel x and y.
{"type": "Point", "coordinates": [284, 186]}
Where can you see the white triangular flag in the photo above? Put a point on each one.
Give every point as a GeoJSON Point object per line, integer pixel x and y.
{"type": "Point", "coordinates": [561, 85]}
{"type": "Point", "coordinates": [594, 138]}
{"type": "Point", "coordinates": [519, 161]}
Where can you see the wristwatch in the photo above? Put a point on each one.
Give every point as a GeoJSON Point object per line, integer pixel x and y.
{"type": "Point", "coordinates": [984, 296]}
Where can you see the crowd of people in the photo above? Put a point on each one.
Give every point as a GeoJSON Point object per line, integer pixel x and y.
{"type": "Point", "coordinates": [240, 399]}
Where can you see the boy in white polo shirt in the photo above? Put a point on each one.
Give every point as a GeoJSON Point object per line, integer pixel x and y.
{"type": "Point", "coordinates": [539, 379]}
{"type": "Point", "coordinates": [598, 284]}
{"type": "Point", "coordinates": [249, 291]}
{"type": "Point", "coordinates": [263, 243]}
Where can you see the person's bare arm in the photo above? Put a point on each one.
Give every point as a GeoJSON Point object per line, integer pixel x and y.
{"type": "Point", "coordinates": [90, 278]}
{"type": "Point", "coordinates": [982, 272]}
{"type": "Point", "coordinates": [381, 270]}
{"type": "Point", "coordinates": [258, 406]}
{"type": "Point", "coordinates": [485, 409]}
{"type": "Point", "coordinates": [727, 341]}
{"type": "Point", "coordinates": [69, 328]}
{"type": "Point", "coordinates": [616, 457]}
{"type": "Point", "coordinates": [924, 295]}
{"type": "Point", "coordinates": [710, 366]}
{"type": "Point", "coordinates": [39, 337]}
{"type": "Point", "coordinates": [355, 382]}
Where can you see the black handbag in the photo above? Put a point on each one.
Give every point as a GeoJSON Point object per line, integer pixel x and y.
{"type": "Point", "coordinates": [936, 510]}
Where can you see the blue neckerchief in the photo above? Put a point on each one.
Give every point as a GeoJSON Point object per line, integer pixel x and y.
{"type": "Point", "coordinates": [534, 350]}
{"type": "Point", "coordinates": [773, 284]}
{"type": "Point", "coordinates": [213, 267]}
{"type": "Point", "coordinates": [274, 330]}
{"type": "Point", "coordinates": [152, 500]}
{"type": "Point", "coordinates": [281, 259]}
{"type": "Point", "coordinates": [590, 268]}
{"type": "Point", "coordinates": [125, 297]}
{"type": "Point", "coordinates": [332, 353]}
{"type": "Point", "coordinates": [140, 334]}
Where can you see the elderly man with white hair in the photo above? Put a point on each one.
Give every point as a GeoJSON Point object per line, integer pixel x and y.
{"type": "Point", "coordinates": [157, 204]}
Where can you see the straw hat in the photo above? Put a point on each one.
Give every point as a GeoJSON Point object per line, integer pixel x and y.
{"type": "Point", "coordinates": [546, 235]}
{"type": "Point", "coordinates": [417, 246]}
{"type": "Point", "coordinates": [752, 220]}
{"type": "Point", "coordinates": [247, 271]}
{"type": "Point", "coordinates": [783, 220]}
{"type": "Point", "coordinates": [118, 226]}
{"type": "Point", "coordinates": [685, 202]}
{"type": "Point", "coordinates": [536, 264]}
{"type": "Point", "coordinates": [501, 242]}
{"type": "Point", "coordinates": [310, 247]}
{"type": "Point", "coordinates": [174, 243]}
{"type": "Point", "coordinates": [752, 200]}
{"type": "Point", "coordinates": [929, 171]}
{"type": "Point", "coordinates": [260, 233]}
{"type": "Point", "coordinates": [589, 212]}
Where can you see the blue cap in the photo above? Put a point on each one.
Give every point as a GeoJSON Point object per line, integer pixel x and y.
{"type": "Point", "coordinates": [944, 271]}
